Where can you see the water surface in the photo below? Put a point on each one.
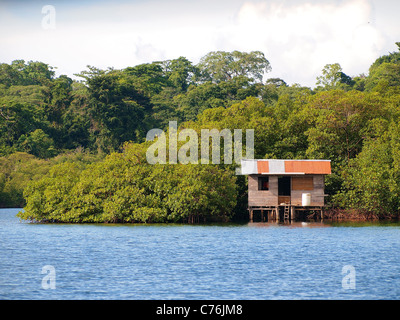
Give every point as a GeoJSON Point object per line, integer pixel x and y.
{"type": "Point", "coordinates": [250, 261]}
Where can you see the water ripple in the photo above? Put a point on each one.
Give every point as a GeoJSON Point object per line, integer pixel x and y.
{"type": "Point", "coordinates": [254, 261]}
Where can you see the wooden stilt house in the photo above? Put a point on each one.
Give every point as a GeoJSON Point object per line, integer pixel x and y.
{"type": "Point", "coordinates": [284, 188]}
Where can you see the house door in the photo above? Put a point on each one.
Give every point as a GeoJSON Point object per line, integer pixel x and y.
{"type": "Point", "coordinates": [284, 187]}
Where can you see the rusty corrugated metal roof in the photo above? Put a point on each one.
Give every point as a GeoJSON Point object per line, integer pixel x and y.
{"type": "Point", "coordinates": [274, 166]}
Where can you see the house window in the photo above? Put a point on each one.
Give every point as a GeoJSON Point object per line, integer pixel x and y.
{"type": "Point", "coordinates": [263, 183]}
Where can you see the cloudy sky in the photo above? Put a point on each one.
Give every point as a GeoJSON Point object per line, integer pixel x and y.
{"type": "Point", "coordinates": [298, 37]}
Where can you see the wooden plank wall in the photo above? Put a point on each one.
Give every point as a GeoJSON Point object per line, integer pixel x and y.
{"type": "Point", "coordinates": [317, 193]}
{"type": "Point", "coordinates": [303, 183]}
{"type": "Point", "coordinates": [270, 197]}
{"type": "Point", "coordinates": [262, 197]}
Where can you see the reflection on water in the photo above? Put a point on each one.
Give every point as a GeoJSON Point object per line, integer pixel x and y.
{"type": "Point", "coordinates": [361, 223]}
{"type": "Point", "coordinates": [325, 223]}
{"type": "Point", "coordinates": [290, 224]}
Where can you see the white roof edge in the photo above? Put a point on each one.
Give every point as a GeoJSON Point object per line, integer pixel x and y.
{"type": "Point", "coordinates": [282, 173]}
{"type": "Point", "coordinates": [285, 160]}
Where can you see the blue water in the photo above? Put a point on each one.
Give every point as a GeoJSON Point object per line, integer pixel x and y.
{"type": "Point", "coordinates": [252, 261]}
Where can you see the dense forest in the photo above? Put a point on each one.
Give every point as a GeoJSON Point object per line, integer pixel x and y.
{"type": "Point", "coordinates": [75, 150]}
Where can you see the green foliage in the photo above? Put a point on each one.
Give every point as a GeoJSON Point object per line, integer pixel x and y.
{"type": "Point", "coordinates": [334, 78]}
{"type": "Point", "coordinates": [117, 108]}
{"type": "Point", "coordinates": [46, 122]}
{"type": "Point", "coordinates": [38, 143]}
{"type": "Point", "coordinates": [213, 95]}
{"type": "Point", "coordinates": [372, 180]}
{"type": "Point", "coordinates": [180, 73]}
{"type": "Point", "coordinates": [220, 66]}
{"type": "Point", "coordinates": [20, 168]}
{"type": "Point", "coordinates": [125, 188]}
{"type": "Point", "coordinates": [21, 73]}
{"type": "Point", "coordinates": [339, 120]}
{"type": "Point", "coordinates": [16, 171]}
{"type": "Point", "coordinates": [385, 78]}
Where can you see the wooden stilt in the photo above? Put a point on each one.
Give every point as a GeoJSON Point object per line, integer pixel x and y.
{"type": "Point", "coordinates": [270, 215]}
{"type": "Point", "coordinates": [292, 213]}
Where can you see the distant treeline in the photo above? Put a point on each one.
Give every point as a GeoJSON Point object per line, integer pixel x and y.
{"type": "Point", "coordinates": [74, 151]}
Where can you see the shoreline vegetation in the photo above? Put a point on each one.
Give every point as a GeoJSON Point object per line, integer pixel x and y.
{"type": "Point", "coordinates": [329, 216]}
{"type": "Point", "coordinates": [75, 151]}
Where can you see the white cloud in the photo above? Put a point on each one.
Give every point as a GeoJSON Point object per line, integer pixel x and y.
{"type": "Point", "coordinates": [297, 37]}
{"type": "Point", "coordinates": [300, 39]}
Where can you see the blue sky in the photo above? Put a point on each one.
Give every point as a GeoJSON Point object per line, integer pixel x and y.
{"type": "Point", "coordinates": [297, 37]}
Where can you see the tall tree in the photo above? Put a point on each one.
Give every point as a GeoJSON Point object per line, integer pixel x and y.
{"type": "Point", "coordinates": [340, 121]}
{"type": "Point", "coordinates": [118, 110]}
{"type": "Point", "coordinates": [180, 72]}
{"type": "Point", "coordinates": [220, 66]}
{"type": "Point", "coordinates": [333, 77]}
